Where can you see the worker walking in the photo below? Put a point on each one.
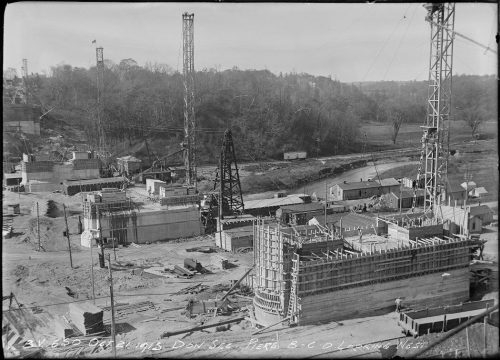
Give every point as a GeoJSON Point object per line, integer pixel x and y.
{"type": "Point", "coordinates": [398, 304]}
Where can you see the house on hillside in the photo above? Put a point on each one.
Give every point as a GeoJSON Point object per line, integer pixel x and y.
{"type": "Point", "coordinates": [404, 198]}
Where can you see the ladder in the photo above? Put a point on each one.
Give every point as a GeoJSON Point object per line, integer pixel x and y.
{"type": "Point", "coordinates": [292, 311]}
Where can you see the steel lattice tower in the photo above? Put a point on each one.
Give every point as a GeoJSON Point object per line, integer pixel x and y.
{"type": "Point", "coordinates": [441, 17]}
{"type": "Point", "coordinates": [189, 115]}
{"type": "Point", "coordinates": [100, 91]}
{"type": "Point", "coordinates": [228, 180]}
{"type": "Point", "coordinates": [25, 80]}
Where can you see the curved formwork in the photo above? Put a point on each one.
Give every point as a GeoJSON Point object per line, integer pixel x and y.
{"type": "Point", "coordinates": [313, 279]}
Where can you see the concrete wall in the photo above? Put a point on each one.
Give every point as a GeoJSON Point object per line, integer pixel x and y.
{"type": "Point", "coordinates": [399, 232]}
{"type": "Point", "coordinates": [233, 240]}
{"type": "Point", "coordinates": [456, 215]}
{"type": "Point", "coordinates": [43, 187]}
{"type": "Point", "coordinates": [425, 231]}
{"type": "Point", "coordinates": [48, 171]}
{"type": "Point", "coordinates": [417, 292]}
{"type": "Point", "coordinates": [151, 226]}
{"type": "Point", "coordinates": [28, 127]}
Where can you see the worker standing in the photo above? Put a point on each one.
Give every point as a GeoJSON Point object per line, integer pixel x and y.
{"type": "Point", "coordinates": [398, 304]}
{"type": "Point", "coordinates": [360, 232]}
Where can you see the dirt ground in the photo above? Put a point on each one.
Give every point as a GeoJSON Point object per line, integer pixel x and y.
{"type": "Point", "coordinates": [44, 283]}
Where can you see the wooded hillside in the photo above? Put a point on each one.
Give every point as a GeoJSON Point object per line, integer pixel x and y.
{"type": "Point", "coordinates": [268, 113]}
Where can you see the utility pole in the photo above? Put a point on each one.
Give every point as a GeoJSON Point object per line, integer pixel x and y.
{"type": "Point", "coordinates": [101, 242]}
{"type": "Point", "coordinates": [189, 114]}
{"type": "Point", "coordinates": [326, 201]}
{"type": "Point", "coordinates": [38, 226]}
{"type": "Point", "coordinates": [112, 306]}
{"type": "Point", "coordinates": [25, 80]}
{"type": "Point", "coordinates": [92, 267]}
{"type": "Point", "coordinates": [400, 198]}
{"type": "Point", "coordinates": [67, 235]}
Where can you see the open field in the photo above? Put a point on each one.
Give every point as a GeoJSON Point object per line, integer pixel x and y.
{"type": "Point", "coordinates": [378, 134]}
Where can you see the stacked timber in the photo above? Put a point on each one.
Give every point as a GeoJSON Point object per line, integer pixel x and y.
{"type": "Point", "coordinates": [62, 329]}
{"type": "Point", "coordinates": [86, 317]}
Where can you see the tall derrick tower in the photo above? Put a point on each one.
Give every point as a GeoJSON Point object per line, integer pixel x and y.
{"type": "Point", "coordinates": [189, 116]}
{"type": "Point", "coordinates": [228, 179]}
{"type": "Point", "coordinates": [226, 199]}
{"type": "Point", "coordinates": [441, 17]}
{"type": "Point", "coordinates": [101, 141]}
{"type": "Point", "coordinates": [25, 81]}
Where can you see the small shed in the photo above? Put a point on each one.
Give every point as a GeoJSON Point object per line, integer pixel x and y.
{"type": "Point", "coordinates": [453, 191]}
{"type": "Point", "coordinates": [153, 186]}
{"type": "Point", "coordinates": [294, 155]}
{"type": "Point", "coordinates": [13, 209]}
{"type": "Point", "coordinates": [389, 185]}
{"type": "Point", "coordinates": [404, 198]}
{"type": "Point", "coordinates": [12, 179]}
{"type": "Point", "coordinates": [237, 238]}
{"type": "Point", "coordinates": [478, 192]}
{"type": "Point", "coordinates": [299, 214]}
{"type": "Point", "coordinates": [482, 212]}
{"type": "Point", "coordinates": [128, 164]}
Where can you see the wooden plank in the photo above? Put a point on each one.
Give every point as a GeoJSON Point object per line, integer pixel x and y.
{"type": "Point", "coordinates": [197, 328]}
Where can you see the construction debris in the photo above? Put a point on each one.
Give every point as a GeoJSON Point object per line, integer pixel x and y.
{"type": "Point", "coordinates": [63, 329]}
{"type": "Point", "coordinates": [193, 265]}
{"type": "Point", "coordinates": [126, 309]}
{"type": "Point", "coordinates": [195, 289]}
{"type": "Point", "coordinates": [203, 249]}
{"type": "Point", "coordinates": [197, 328]}
{"type": "Point", "coordinates": [195, 307]}
{"type": "Point", "coordinates": [86, 317]}
{"type": "Point", "coordinates": [183, 272]}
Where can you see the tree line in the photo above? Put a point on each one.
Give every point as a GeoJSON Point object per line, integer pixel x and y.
{"type": "Point", "coordinates": [268, 113]}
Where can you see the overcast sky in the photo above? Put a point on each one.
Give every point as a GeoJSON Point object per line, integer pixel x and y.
{"type": "Point", "coordinates": [350, 42]}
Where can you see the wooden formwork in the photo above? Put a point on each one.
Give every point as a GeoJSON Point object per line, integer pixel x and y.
{"type": "Point", "coordinates": [286, 277]}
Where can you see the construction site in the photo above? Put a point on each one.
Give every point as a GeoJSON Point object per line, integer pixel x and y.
{"type": "Point", "coordinates": [106, 257]}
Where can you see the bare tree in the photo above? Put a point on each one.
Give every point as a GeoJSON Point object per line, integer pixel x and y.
{"type": "Point", "coordinates": [473, 118]}
{"type": "Point", "coordinates": [396, 118]}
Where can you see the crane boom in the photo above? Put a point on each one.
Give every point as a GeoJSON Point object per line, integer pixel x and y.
{"type": "Point", "coordinates": [453, 32]}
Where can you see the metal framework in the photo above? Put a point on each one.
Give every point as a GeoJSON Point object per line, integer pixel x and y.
{"type": "Point", "coordinates": [189, 115]}
{"type": "Point", "coordinates": [226, 199]}
{"type": "Point", "coordinates": [441, 17]}
{"type": "Point", "coordinates": [25, 80]}
{"type": "Point", "coordinates": [101, 141]}
{"type": "Point", "coordinates": [228, 180]}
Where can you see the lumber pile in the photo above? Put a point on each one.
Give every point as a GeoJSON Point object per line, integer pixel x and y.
{"type": "Point", "coordinates": [126, 309]}
{"type": "Point", "coordinates": [62, 329]}
{"type": "Point", "coordinates": [183, 272]}
{"type": "Point", "coordinates": [195, 289]}
{"type": "Point", "coordinates": [86, 317]}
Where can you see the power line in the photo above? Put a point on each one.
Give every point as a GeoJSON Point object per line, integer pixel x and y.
{"type": "Point", "coordinates": [399, 43]}
{"type": "Point", "coordinates": [385, 43]}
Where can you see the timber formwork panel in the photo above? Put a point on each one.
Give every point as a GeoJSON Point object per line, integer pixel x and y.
{"type": "Point", "coordinates": [421, 291]}
{"type": "Point", "coordinates": [301, 277]}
